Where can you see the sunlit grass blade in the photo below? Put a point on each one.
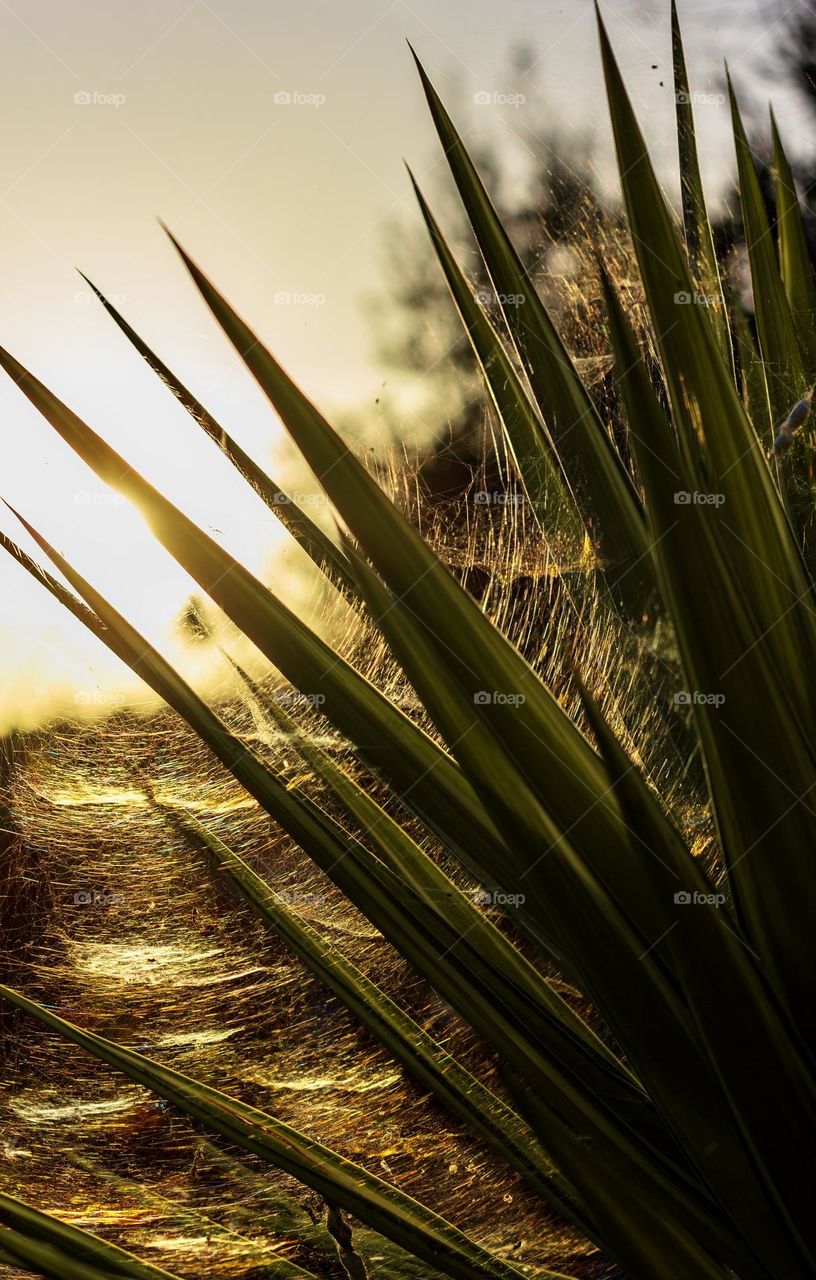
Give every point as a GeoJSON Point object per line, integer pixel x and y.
{"type": "Point", "coordinates": [72, 603]}
{"type": "Point", "coordinates": [43, 1243]}
{"type": "Point", "coordinates": [696, 223]}
{"type": "Point", "coordinates": [784, 372]}
{"type": "Point", "coordinates": [416, 768]}
{"type": "Point", "coordinates": [593, 469]}
{"type": "Point", "coordinates": [378, 1204]}
{"type": "Point", "coordinates": [527, 436]}
{"type": "Point", "coordinates": [318, 545]}
{"type": "Point", "coordinates": [418, 1052]}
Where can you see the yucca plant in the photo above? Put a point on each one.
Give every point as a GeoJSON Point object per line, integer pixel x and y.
{"type": "Point", "coordinates": [675, 1129]}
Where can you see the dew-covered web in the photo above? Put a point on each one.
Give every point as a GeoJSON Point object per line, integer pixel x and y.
{"type": "Point", "coordinates": [115, 919]}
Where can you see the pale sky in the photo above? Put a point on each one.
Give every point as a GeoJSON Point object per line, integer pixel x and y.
{"type": "Point", "coordinates": [115, 112]}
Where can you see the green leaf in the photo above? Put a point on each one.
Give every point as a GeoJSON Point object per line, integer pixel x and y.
{"type": "Point", "coordinates": [738, 1020]}
{"type": "Point", "coordinates": [317, 545]}
{"type": "Point", "coordinates": [781, 358]}
{"type": "Point", "coordinates": [592, 468]}
{"type": "Point", "coordinates": [795, 468]}
{"type": "Point", "coordinates": [644, 1234]}
{"type": "Point", "coordinates": [699, 239]}
{"type": "Point", "coordinates": [752, 377]}
{"type": "Point", "coordinates": [794, 259]}
{"type": "Point", "coordinates": [527, 436]}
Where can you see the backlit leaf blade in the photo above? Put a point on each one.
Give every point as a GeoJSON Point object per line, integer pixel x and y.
{"type": "Point", "coordinates": [699, 239]}
{"type": "Point", "coordinates": [794, 259]}
{"type": "Point", "coordinates": [781, 357]}
{"type": "Point", "coordinates": [529, 442]}
{"type": "Point", "coordinates": [390, 743]}
{"type": "Point", "coordinates": [325, 554]}
{"type": "Point", "coordinates": [593, 470]}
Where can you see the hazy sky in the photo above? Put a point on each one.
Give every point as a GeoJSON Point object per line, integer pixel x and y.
{"type": "Point", "coordinates": [270, 137]}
